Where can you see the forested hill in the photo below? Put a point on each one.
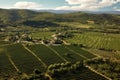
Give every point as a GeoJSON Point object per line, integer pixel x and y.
{"type": "Point", "coordinates": [35, 19]}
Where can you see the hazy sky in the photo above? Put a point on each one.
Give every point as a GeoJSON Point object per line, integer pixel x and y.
{"type": "Point", "coordinates": [84, 5]}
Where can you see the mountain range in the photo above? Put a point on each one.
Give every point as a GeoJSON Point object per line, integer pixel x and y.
{"type": "Point", "coordinates": [70, 11]}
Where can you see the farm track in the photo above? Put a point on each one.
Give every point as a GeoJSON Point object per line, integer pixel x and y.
{"type": "Point", "coordinates": [76, 53]}
{"type": "Point", "coordinates": [35, 55]}
{"type": "Point", "coordinates": [11, 61]}
{"type": "Point", "coordinates": [7, 44]}
{"type": "Point", "coordinates": [57, 53]}
{"type": "Point", "coordinates": [47, 75]}
{"type": "Point", "coordinates": [92, 53]}
{"type": "Point", "coordinates": [90, 68]}
{"type": "Point", "coordinates": [46, 54]}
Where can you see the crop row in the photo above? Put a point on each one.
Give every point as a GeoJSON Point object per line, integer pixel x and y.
{"type": "Point", "coordinates": [24, 60]}
{"type": "Point", "coordinates": [67, 54]}
{"type": "Point", "coordinates": [96, 40]}
{"type": "Point", "coordinates": [82, 52]}
{"type": "Point", "coordinates": [5, 66]}
{"type": "Point", "coordinates": [46, 54]}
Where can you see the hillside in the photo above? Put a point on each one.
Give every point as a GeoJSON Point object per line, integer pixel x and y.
{"type": "Point", "coordinates": [21, 17]}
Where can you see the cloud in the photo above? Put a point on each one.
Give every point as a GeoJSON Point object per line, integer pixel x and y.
{"type": "Point", "coordinates": [72, 2]}
{"type": "Point", "coordinates": [23, 5]}
{"type": "Point", "coordinates": [87, 4]}
{"type": "Point", "coordinates": [26, 5]}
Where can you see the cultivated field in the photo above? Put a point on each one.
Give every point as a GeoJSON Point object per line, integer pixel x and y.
{"type": "Point", "coordinates": [26, 58]}
{"type": "Point", "coordinates": [97, 40]}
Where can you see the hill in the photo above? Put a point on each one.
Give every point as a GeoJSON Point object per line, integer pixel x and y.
{"type": "Point", "coordinates": [21, 17]}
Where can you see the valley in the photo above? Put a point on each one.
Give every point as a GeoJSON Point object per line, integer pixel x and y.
{"type": "Point", "coordinates": [67, 46]}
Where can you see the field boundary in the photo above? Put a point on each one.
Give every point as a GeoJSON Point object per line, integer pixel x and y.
{"type": "Point", "coordinates": [76, 53]}
{"type": "Point", "coordinates": [56, 53]}
{"type": "Point", "coordinates": [92, 52]}
{"type": "Point", "coordinates": [34, 55]}
{"type": "Point", "coordinates": [93, 70]}
{"type": "Point", "coordinates": [47, 75]}
{"type": "Point", "coordinates": [12, 62]}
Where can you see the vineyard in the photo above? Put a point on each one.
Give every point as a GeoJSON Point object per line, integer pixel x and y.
{"type": "Point", "coordinates": [47, 55]}
{"type": "Point", "coordinates": [5, 65]}
{"type": "Point", "coordinates": [22, 59]}
{"type": "Point", "coordinates": [97, 40]}
{"type": "Point", "coordinates": [26, 58]}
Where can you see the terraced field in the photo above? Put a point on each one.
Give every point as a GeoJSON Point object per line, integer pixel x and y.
{"type": "Point", "coordinates": [97, 40]}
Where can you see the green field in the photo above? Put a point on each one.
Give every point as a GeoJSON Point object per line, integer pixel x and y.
{"type": "Point", "coordinates": [5, 66]}
{"type": "Point", "coordinates": [77, 49]}
{"type": "Point", "coordinates": [27, 62]}
{"type": "Point", "coordinates": [60, 44]}
{"type": "Point", "coordinates": [42, 35]}
{"type": "Point", "coordinates": [105, 54]}
{"type": "Point", "coordinates": [76, 25]}
{"type": "Point", "coordinates": [62, 51]}
{"type": "Point", "coordinates": [46, 54]}
{"type": "Point", "coordinates": [24, 60]}
{"type": "Point", "coordinates": [97, 40]}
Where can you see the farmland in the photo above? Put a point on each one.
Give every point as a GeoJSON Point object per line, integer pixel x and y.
{"type": "Point", "coordinates": [77, 49]}
{"type": "Point", "coordinates": [97, 40]}
{"type": "Point", "coordinates": [42, 35]}
{"type": "Point", "coordinates": [67, 54]}
{"type": "Point", "coordinates": [27, 62]}
{"type": "Point", "coordinates": [50, 46]}
{"type": "Point", "coordinates": [5, 65]}
{"type": "Point", "coordinates": [27, 57]}
{"type": "Point", "coordinates": [83, 75]}
{"type": "Point", "coordinates": [41, 51]}
{"type": "Point", "coordinates": [24, 60]}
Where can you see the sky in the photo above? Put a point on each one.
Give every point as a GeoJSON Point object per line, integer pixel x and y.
{"type": "Point", "coordinates": [81, 5]}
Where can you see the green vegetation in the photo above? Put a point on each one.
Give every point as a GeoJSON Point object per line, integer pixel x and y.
{"type": "Point", "coordinates": [76, 25]}
{"type": "Point", "coordinates": [42, 35]}
{"type": "Point", "coordinates": [67, 54]}
{"type": "Point", "coordinates": [106, 67]}
{"type": "Point", "coordinates": [23, 59]}
{"type": "Point", "coordinates": [97, 40]}
{"type": "Point", "coordinates": [46, 54]}
{"type": "Point", "coordinates": [105, 54]}
{"type": "Point", "coordinates": [43, 19]}
{"type": "Point", "coordinates": [83, 74]}
{"type": "Point", "coordinates": [6, 68]}
{"type": "Point", "coordinates": [78, 49]}
{"type": "Point", "coordinates": [49, 46]}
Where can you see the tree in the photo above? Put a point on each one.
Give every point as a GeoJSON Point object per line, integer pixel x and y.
{"type": "Point", "coordinates": [37, 71]}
